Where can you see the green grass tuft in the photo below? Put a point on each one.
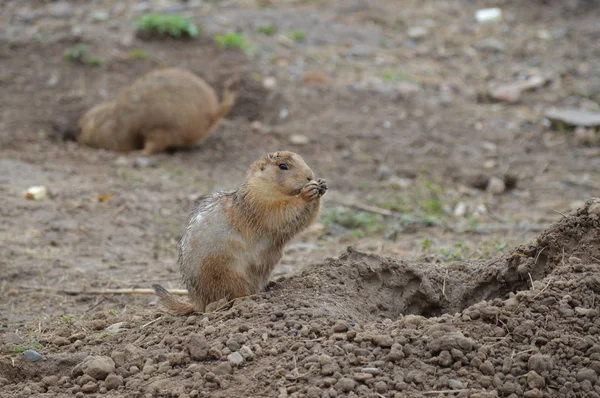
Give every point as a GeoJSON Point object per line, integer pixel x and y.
{"type": "Point", "coordinates": [166, 25]}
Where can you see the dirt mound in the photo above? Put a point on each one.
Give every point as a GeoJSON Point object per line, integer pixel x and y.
{"type": "Point", "coordinates": [358, 325]}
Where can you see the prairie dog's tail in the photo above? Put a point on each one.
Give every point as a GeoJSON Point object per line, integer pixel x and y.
{"type": "Point", "coordinates": [227, 101]}
{"type": "Point", "coordinates": [171, 303]}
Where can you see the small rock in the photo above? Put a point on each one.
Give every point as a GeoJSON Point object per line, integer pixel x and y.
{"type": "Point", "coordinates": [539, 363]}
{"type": "Point", "coordinates": [511, 92]}
{"type": "Point", "coordinates": [52, 81]}
{"type": "Point", "coordinates": [35, 193]}
{"type": "Point", "coordinates": [449, 341]}
{"type": "Point", "coordinates": [534, 380]}
{"type": "Point", "coordinates": [314, 392]}
{"type": "Point", "coordinates": [381, 387]}
{"type": "Point", "coordinates": [235, 358]}
{"type": "Point", "coordinates": [269, 83]}
{"type": "Point", "coordinates": [142, 162]}
{"type": "Point", "coordinates": [224, 368]}
{"type": "Point", "coordinates": [198, 347]}
{"type": "Point", "coordinates": [340, 327]}
{"type": "Point", "coordinates": [315, 77]}
{"type": "Point", "coordinates": [50, 381]}
{"type": "Point", "coordinates": [98, 367]}
{"type": "Point", "coordinates": [496, 186]}
{"type": "Point", "coordinates": [487, 15]}
{"type": "Point", "coordinates": [11, 338]}
{"type": "Point", "coordinates": [417, 32]}
{"type": "Point", "coordinates": [345, 385]}
{"type": "Point", "coordinates": [32, 356]}
{"type": "Point", "coordinates": [487, 368]}
{"type": "Point", "coordinates": [116, 327]}
{"type": "Point", "coordinates": [587, 374]}
{"type": "Point", "coordinates": [491, 44]}
{"type": "Point", "coordinates": [89, 387]}
{"type": "Point", "coordinates": [247, 353]}
{"type": "Point", "coordinates": [256, 126]}
{"type": "Point", "coordinates": [383, 340]}
{"type": "Point", "coordinates": [233, 345]}
{"type": "Point", "coordinates": [455, 384]}
{"type": "Point", "coordinates": [384, 172]}
{"type": "Point", "coordinates": [298, 139]}
{"type": "Point", "coordinates": [535, 393]}
{"type": "Point", "coordinates": [396, 353]}
{"type": "Point", "coordinates": [61, 341]}
{"type": "Point", "coordinates": [99, 16]}
{"type": "Point", "coordinates": [61, 10]}
{"type": "Point", "coordinates": [113, 381]}
{"type": "Point", "coordinates": [573, 117]}
{"type": "Point", "coordinates": [362, 377]}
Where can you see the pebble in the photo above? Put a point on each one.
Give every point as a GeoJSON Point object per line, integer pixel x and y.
{"type": "Point", "coordinates": [487, 368]}
{"type": "Point", "coordinates": [113, 381]}
{"type": "Point", "coordinates": [455, 384]}
{"type": "Point", "coordinates": [61, 10]}
{"type": "Point", "coordinates": [49, 381]}
{"type": "Point", "coordinates": [142, 162]}
{"type": "Point", "coordinates": [340, 327]}
{"type": "Point", "coordinates": [247, 353]}
{"type": "Point", "coordinates": [417, 32]}
{"type": "Point", "coordinates": [32, 356]}
{"type": "Point", "coordinates": [362, 377]}
{"type": "Point", "coordinates": [534, 380]}
{"type": "Point", "coordinates": [345, 385]}
{"type": "Point", "coordinates": [539, 363]}
{"type": "Point", "coordinates": [383, 340]}
{"type": "Point", "coordinates": [487, 15]}
{"type": "Point", "coordinates": [496, 186]}
{"type": "Point", "coordinates": [198, 347]}
{"type": "Point", "coordinates": [99, 16]}
{"type": "Point", "coordinates": [298, 139]}
{"type": "Point", "coordinates": [587, 374]}
{"type": "Point", "coordinates": [574, 117]}
{"type": "Point", "coordinates": [235, 358]}
{"type": "Point", "coordinates": [381, 387]}
{"type": "Point", "coordinates": [89, 387]}
{"type": "Point", "coordinates": [12, 338]}
{"type": "Point", "coordinates": [97, 367]}
{"type": "Point", "coordinates": [269, 83]}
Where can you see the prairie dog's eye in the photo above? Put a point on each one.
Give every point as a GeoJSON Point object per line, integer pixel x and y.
{"type": "Point", "coordinates": [283, 166]}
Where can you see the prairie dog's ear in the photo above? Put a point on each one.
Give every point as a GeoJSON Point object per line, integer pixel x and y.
{"type": "Point", "coordinates": [273, 155]}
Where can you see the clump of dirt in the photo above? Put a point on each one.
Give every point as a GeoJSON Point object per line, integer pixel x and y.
{"type": "Point", "coordinates": [522, 325]}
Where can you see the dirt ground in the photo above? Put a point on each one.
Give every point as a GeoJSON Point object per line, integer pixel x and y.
{"type": "Point", "coordinates": [458, 249]}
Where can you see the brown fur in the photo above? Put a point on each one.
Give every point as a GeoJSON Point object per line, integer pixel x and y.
{"type": "Point", "coordinates": [235, 239]}
{"type": "Point", "coordinates": [166, 108]}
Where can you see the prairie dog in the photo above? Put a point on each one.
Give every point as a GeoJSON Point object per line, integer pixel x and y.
{"type": "Point", "coordinates": [235, 239]}
{"type": "Point", "coordinates": [166, 108]}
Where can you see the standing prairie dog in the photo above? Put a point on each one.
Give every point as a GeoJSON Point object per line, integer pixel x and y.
{"type": "Point", "coordinates": [166, 108]}
{"type": "Point", "coordinates": [234, 239]}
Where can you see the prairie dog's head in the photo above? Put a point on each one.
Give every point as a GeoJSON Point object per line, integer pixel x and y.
{"type": "Point", "coordinates": [95, 127]}
{"type": "Point", "coordinates": [283, 172]}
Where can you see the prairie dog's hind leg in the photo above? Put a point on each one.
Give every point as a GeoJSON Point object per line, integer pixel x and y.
{"type": "Point", "coordinates": [158, 140]}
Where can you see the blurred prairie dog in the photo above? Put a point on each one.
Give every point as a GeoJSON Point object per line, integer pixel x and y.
{"type": "Point", "coordinates": [166, 108]}
{"type": "Point", "coordinates": [235, 239]}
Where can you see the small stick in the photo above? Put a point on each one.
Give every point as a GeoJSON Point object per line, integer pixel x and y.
{"type": "Point", "coordinates": [542, 291]}
{"type": "Point", "coordinates": [538, 255]}
{"type": "Point", "coordinates": [444, 285]}
{"type": "Point", "coordinates": [531, 280]}
{"type": "Point", "coordinates": [444, 391]}
{"type": "Point", "coordinates": [368, 208]}
{"type": "Point", "coordinates": [151, 322]}
{"type": "Point", "coordinates": [181, 292]}
{"type": "Point", "coordinates": [560, 213]}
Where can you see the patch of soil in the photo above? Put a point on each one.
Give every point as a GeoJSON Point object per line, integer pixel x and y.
{"type": "Point", "coordinates": [359, 325]}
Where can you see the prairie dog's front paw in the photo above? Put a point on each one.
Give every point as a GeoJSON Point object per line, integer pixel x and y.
{"type": "Point", "coordinates": [310, 191]}
{"type": "Point", "coordinates": [322, 186]}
